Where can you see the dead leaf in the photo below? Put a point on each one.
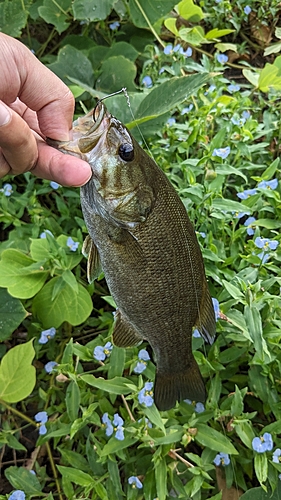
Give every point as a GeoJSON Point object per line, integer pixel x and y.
{"type": "Point", "coordinates": [260, 32]}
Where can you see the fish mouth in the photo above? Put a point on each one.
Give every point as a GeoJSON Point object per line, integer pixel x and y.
{"type": "Point", "coordinates": [96, 123]}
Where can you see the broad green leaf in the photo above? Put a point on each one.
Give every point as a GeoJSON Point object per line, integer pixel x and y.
{"type": "Point", "coordinates": [260, 494]}
{"type": "Point", "coordinates": [22, 479]}
{"type": "Point", "coordinates": [12, 313]}
{"type": "Point", "coordinates": [74, 459]}
{"type": "Point", "coordinates": [268, 223]}
{"type": "Point", "coordinates": [233, 290]}
{"type": "Point", "coordinates": [270, 171]}
{"type": "Point", "coordinates": [269, 78]}
{"type": "Point", "coordinates": [13, 17]}
{"type": "Point", "coordinates": [207, 436]}
{"type": "Point", "coordinates": [16, 274]}
{"type": "Point", "coordinates": [169, 94]}
{"type": "Point", "coordinates": [70, 279]}
{"type": "Point", "coordinates": [217, 33]}
{"type": "Point", "coordinates": [228, 170]}
{"type": "Point", "coordinates": [245, 431]}
{"type": "Point", "coordinates": [115, 445]}
{"type": "Point", "coordinates": [229, 206]}
{"type": "Point", "coordinates": [76, 476]}
{"type": "Point", "coordinates": [122, 49]}
{"type": "Point", "coordinates": [56, 13]}
{"type": "Point", "coordinates": [173, 436]}
{"type": "Point", "coordinates": [17, 375]}
{"type": "Point", "coordinates": [73, 63]}
{"type": "Point", "coordinates": [67, 306]}
{"type": "Point", "coordinates": [272, 49]}
{"type": "Point", "coordinates": [72, 400]}
{"type": "Point", "coordinates": [154, 417]}
{"type": "Point", "coordinates": [261, 466]}
{"type": "Point", "coordinates": [13, 442]}
{"type": "Point", "coordinates": [188, 10]}
{"type": "Point", "coordinates": [116, 72]}
{"type": "Point", "coordinates": [237, 405]}
{"type": "Point", "coordinates": [170, 24]}
{"type": "Point", "coordinates": [117, 362]}
{"type": "Point", "coordinates": [195, 36]}
{"type": "Point", "coordinates": [117, 385]}
{"type": "Point", "coordinates": [92, 10]}
{"type": "Point", "coordinates": [150, 10]}
{"type": "Point", "coordinates": [114, 475]}
{"type": "Point", "coordinates": [252, 77]}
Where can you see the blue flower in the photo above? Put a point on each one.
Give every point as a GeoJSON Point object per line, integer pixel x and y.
{"type": "Point", "coordinates": [41, 417]}
{"type": "Point", "coordinates": [263, 256]}
{"type": "Point", "coordinates": [249, 223]}
{"type": "Point", "coordinates": [54, 185]}
{"type": "Point", "coordinates": [147, 82]}
{"type": "Point", "coordinates": [100, 353]}
{"type": "Point", "coordinates": [17, 495]}
{"type": "Point", "coordinates": [168, 49]}
{"type": "Point", "coordinates": [221, 459]}
{"type": "Point", "coordinates": [46, 335]}
{"type": "Point", "coordinates": [198, 407]}
{"type": "Point", "coordinates": [43, 235]}
{"type": "Point", "coordinates": [239, 215]}
{"type": "Point", "coordinates": [141, 364]}
{"type": "Point", "coordinates": [233, 88]}
{"type": "Point", "coordinates": [245, 194]}
{"type": "Point", "coordinates": [210, 89]}
{"type": "Point", "coordinates": [268, 184]}
{"type": "Point", "coordinates": [222, 58]}
{"type": "Point", "coordinates": [187, 52]}
{"type": "Point", "coordinates": [221, 152]}
{"type": "Point", "coordinates": [50, 366]}
{"type": "Point", "coordinates": [262, 443]}
{"type": "Point", "coordinates": [246, 114]}
{"type": "Point", "coordinates": [7, 191]}
{"type": "Point", "coordinates": [216, 307]}
{"type": "Point", "coordinates": [266, 243]}
{"type": "Point", "coordinates": [107, 423]}
{"type": "Point", "coordinates": [114, 26]}
{"type": "Point", "coordinates": [186, 110]}
{"type": "Point", "coordinates": [247, 10]}
{"type": "Point", "coordinates": [118, 427]}
{"type": "Point", "coordinates": [135, 482]}
{"type": "Point", "coordinates": [161, 70]}
{"type": "Point", "coordinates": [171, 121]}
{"type": "Point", "coordinates": [238, 121]}
{"type": "Point", "coordinates": [73, 245]}
{"type": "Point", "coordinates": [145, 396]}
{"type": "Point", "coordinates": [276, 456]}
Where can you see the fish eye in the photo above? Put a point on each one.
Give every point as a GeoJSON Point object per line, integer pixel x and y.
{"type": "Point", "coordinates": [126, 152]}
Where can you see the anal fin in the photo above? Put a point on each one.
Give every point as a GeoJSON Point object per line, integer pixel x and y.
{"type": "Point", "coordinates": [124, 334]}
{"type": "Point", "coordinates": [90, 251]}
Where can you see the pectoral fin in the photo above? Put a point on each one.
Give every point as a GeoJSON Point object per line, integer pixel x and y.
{"type": "Point", "coordinates": [206, 321]}
{"type": "Point", "coordinates": [90, 251]}
{"type": "Point", "coordinates": [124, 334]}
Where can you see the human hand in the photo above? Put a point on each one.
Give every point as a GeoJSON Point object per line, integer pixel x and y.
{"type": "Point", "coordinates": [34, 104]}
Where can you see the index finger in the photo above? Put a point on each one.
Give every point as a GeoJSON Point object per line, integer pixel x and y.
{"type": "Point", "coordinates": [35, 85]}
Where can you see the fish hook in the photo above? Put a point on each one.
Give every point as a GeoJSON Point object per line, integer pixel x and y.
{"type": "Point", "coordinates": [124, 90]}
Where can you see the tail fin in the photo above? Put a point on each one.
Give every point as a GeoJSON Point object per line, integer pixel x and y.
{"type": "Point", "coordinates": [172, 387]}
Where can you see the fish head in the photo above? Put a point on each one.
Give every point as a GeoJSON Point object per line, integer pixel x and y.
{"type": "Point", "coordinates": [121, 187]}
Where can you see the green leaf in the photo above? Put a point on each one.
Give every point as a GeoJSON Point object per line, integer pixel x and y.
{"type": "Point", "coordinates": [269, 78]}
{"type": "Point", "coordinates": [161, 478]}
{"type": "Point", "coordinates": [72, 400]}
{"type": "Point", "coordinates": [229, 206]}
{"type": "Point", "coordinates": [268, 223]}
{"type": "Point", "coordinates": [12, 313]}
{"type": "Point", "coordinates": [168, 95]}
{"type": "Point", "coordinates": [270, 171]}
{"type": "Point", "coordinates": [67, 305]}
{"type": "Point", "coordinates": [115, 73]}
{"type": "Point", "coordinates": [245, 431]}
{"type": "Point", "coordinates": [17, 375]}
{"type": "Point", "coordinates": [22, 282]}
{"type": "Point", "coordinates": [116, 362]}
{"type": "Point", "coordinates": [114, 475]}
{"type": "Point", "coordinates": [22, 479]}
{"type": "Point", "coordinates": [261, 466]}
{"type": "Point", "coordinates": [171, 25]}
{"type": "Point", "coordinates": [195, 36]}
{"type": "Point", "coordinates": [73, 63]}
{"type": "Point", "coordinates": [233, 290]}
{"type": "Point", "coordinates": [70, 279]}
{"type": "Point", "coordinates": [254, 324]}
{"type": "Point", "coordinates": [260, 494]}
{"type": "Point", "coordinates": [217, 33]}
{"type": "Point", "coordinates": [117, 385]}
{"type": "Point", "coordinates": [207, 436]}
{"type": "Point", "coordinates": [115, 445]}
{"type": "Point", "coordinates": [92, 10]}
{"type": "Point", "coordinates": [272, 49]}
{"type": "Point", "coordinates": [13, 17]}
{"type": "Point", "coordinates": [252, 77]}
{"type": "Point", "coordinates": [154, 416]}
{"type": "Point", "coordinates": [140, 11]}
{"type": "Point", "coordinates": [237, 405]}
{"type": "Point", "coordinates": [56, 13]}
{"type": "Point", "coordinates": [74, 459]}
{"type": "Point", "coordinates": [76, 476]}
{"type": "Point", "coordinates": [188, 10]}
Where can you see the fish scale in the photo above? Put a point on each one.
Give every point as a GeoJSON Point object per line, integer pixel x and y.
{"type": "Point", "coordinates": [142, 238]}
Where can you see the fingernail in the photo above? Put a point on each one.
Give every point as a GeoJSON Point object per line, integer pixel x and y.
{"type": "Point", "coordinates": [5, 114]}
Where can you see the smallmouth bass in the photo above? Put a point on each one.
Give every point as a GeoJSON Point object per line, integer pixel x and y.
{"type": "Point", "coordinates": [141, 237]}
